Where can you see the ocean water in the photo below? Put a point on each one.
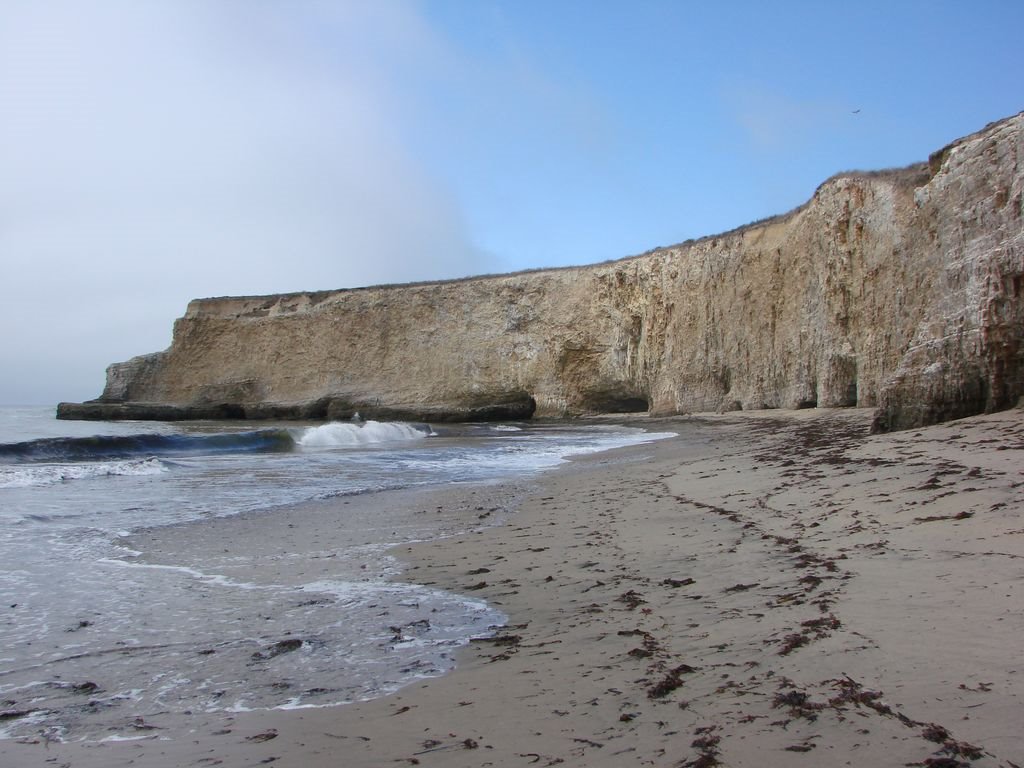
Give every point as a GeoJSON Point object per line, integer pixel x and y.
{"type": "Point", "coordinates": [151, 569]}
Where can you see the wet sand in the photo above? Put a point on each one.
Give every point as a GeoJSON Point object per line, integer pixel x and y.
{"type": "Point", "coordinates": [770, 588]}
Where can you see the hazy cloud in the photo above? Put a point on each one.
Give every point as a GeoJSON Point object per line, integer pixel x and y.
{"type": "Point", "coordinates": [154, 152]}
{"type": "Point", "coordinates": [773, 121]}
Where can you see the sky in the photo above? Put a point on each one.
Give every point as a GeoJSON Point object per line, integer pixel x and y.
{"type": "Point", "coordinates": [154, 152]}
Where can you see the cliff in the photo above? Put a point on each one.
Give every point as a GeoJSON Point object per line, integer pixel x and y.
{"type": "Point", "coordinates": [897, 290]}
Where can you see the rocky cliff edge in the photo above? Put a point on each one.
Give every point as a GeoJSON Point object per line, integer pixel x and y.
{"type": "Point", "coordinates": [895, 290]}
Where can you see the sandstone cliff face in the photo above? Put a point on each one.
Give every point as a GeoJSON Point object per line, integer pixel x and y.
{"type": "Point", "coordinates": [897, 290]}
{"type": "Point", "coordinates": [966, 354]}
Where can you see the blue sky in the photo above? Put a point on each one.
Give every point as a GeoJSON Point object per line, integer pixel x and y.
{"type": "Point", "coordinates": [155, 152]}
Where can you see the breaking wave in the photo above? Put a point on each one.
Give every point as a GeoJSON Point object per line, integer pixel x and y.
{"type": "Point", "coordinates": [125, 447]}
{"type": "Point", "coordinates": [98, 447]}
{"type": "Point", "coordinates": [344, 433]}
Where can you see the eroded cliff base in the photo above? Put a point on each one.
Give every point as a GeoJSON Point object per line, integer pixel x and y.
{"type": "Point", "coordinates": [516, 407]}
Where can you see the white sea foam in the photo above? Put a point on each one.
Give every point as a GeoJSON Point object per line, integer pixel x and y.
{"type": "Point", "coordinates": [349, 592]}
{"type": "Point", "coordinates": [25, 476]}
{"type": "Point", "coordinates": [209, 578]}
{"type": "Point", "coordinates": [524, 457]}
{"type": "Point", "coordinates": [339, 434]}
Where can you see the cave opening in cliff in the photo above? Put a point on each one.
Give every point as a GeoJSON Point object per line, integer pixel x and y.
{"type": "Point", "coordinates": [615, 403]}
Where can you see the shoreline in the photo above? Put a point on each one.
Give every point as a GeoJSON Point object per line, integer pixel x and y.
{"type": "Point", "coordinates": [772, 588]}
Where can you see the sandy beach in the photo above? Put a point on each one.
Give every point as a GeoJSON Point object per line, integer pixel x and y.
{"type": "Point", "coordinates": [768, 589]}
